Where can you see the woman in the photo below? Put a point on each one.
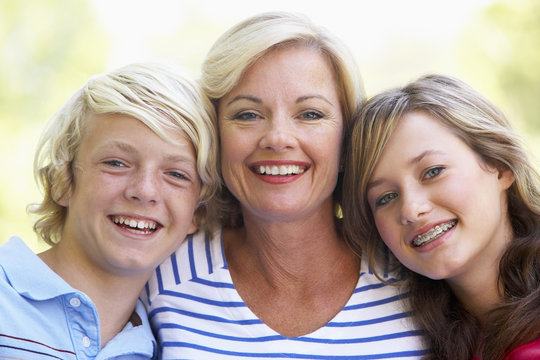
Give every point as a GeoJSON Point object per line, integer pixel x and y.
{"type": "Point", "coordinates": [445, 181]}
{"type": "Point", "coordinates": [279, 281]}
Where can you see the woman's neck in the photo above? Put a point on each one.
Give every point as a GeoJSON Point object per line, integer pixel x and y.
{"type": "Point", "coordinates": [286, 273]}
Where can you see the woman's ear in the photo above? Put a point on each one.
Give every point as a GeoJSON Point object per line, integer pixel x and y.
{"type": "Point", "coordinates": [64, 200]}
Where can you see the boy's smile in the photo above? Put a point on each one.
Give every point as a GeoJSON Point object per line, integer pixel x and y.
{"type": "Point", "coordinates": [133, 197]}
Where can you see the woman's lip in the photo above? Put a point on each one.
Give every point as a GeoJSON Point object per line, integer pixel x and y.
{"type": "Point", "coordinates": [431, 232]}
{"type": "Point", "coordinates": [303, 164]}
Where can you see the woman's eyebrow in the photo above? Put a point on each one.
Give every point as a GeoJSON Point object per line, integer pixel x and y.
{"type": "Point", "coordinates": [245, 97]}
{"type": "Point", "coordinates": [307, 97]}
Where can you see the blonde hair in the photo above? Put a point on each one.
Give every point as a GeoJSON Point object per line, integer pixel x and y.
{"type": "Point", "coordinates": [157, 95]}
{"type": "Point", "coordinates": [246, 42]}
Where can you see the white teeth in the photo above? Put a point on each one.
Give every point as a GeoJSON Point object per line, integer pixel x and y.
{"type": "Point", "coordinates": [134, 224]}
{"type": "Point", "coordinates": [281, 170]}
{"type": "Point", "coordinates": [433, 233]}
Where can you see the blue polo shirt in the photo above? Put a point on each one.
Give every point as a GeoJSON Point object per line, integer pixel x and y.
{"type": "Point", "coordinates": [42, 317]}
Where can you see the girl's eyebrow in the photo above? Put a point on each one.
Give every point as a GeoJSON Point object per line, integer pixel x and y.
{"type": "Point", "coordinates": [414, 160]}
{"type": "Point", "coordinates": [417, 159]}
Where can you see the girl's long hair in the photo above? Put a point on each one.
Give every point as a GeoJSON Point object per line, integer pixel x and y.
{"type": "Point", "coordinates": [451, 331]}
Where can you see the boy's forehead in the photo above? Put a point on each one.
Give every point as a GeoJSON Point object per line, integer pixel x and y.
{"type": "Point", "coordinates": [107, 124]}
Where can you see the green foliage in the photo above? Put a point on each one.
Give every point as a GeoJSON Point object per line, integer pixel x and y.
{"type": "Point", "coordinates": [48, 49]}
{"type": "Point", "coordinates": [502, 51]}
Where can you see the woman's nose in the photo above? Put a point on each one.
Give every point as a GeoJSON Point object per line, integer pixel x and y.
{"type": "Point", "coordinates": [279, 134]}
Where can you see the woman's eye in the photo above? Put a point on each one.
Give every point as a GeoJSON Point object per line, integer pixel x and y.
{"type": "Point", "coordinates": [433, 172]}
{"type": "Point", "coordinates": [311, 115]}
{"type": "Point", "coordinates": [248, 115]}
{"type": "Point", "coordinates": [114, 163]}
{"type": "Point", "coordinates": [385, 199]}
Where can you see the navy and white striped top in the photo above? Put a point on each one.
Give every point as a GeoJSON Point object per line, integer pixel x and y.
{"type": "Point", "coordinates": [196, 313]}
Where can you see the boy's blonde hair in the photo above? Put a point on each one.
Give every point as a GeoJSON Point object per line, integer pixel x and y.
{"type": "Point", "coordinates": [155, 94]}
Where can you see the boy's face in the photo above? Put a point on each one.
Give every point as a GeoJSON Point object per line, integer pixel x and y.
{"type": "Point", "coordinates": [133, 196]}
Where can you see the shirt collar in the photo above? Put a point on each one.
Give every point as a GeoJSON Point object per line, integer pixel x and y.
{"type": "Point", "coordinates": [21, 264]}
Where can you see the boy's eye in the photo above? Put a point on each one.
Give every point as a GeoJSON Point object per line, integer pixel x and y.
{"type": "Point", "coordinates": [179, 175]}
{"type": "Point", "coordinates": [433, 172]}
{"type": "Point", "coordinates": [115, 163]}
{"type": "Point", "coordinates": [385, 199]}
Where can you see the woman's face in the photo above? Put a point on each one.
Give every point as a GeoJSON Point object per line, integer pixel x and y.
{"type": "Point", "coordinates": [281, 134]}
{"type": "Point", "coordinates": [437, 205]}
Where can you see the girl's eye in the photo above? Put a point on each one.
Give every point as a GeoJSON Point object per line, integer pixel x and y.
{"type": "Point", "coordinates": [114, 163]}
{"type": "Point", "coordinates": [312, 115]}
{"type": "Point", "coordinates": [248, 115]}
{"type": "Point", "coordinates": [385, 199]}
{"type": "Point", "coordinates": [433, 172]}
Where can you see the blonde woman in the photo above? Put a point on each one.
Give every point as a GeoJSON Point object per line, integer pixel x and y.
{"type": "Point", "coordinates": [278, 280]}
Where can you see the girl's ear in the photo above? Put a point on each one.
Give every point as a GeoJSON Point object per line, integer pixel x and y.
{"type": "Point", "coordinates": [506, 177]}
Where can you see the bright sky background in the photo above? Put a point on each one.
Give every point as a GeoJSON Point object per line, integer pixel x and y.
{"type": "Point", "coordinates": [394, 41]}
{"type": "Point", "coordinates": [139, 30]}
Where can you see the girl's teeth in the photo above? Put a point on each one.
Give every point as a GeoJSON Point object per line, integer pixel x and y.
{"type": "Point", "coordinates": [433, 234]}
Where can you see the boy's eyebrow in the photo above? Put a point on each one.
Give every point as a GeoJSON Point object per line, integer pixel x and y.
{"type": "Point", "coordinates": [179, 158]}
{"type": "Point", "coordinates": [122, 146]}
{"type": "Point", "coordinates": [131, 149]}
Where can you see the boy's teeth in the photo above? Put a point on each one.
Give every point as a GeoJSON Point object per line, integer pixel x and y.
{"type": "Point", "coordinates": [132, 223]}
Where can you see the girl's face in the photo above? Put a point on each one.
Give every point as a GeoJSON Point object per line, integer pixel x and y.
{"type": "Point", "coordinates": [439, 208]}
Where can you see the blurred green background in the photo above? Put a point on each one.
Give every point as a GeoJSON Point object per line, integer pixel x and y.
{"type": "Point", "coordinates": [49, 48]}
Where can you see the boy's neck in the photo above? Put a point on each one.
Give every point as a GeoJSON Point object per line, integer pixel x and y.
{"type": "Point", "coordinates": [114, 296]}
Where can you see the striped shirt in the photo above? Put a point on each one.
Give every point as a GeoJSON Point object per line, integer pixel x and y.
{"type": "Point", "coordinates": [196, 313]}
